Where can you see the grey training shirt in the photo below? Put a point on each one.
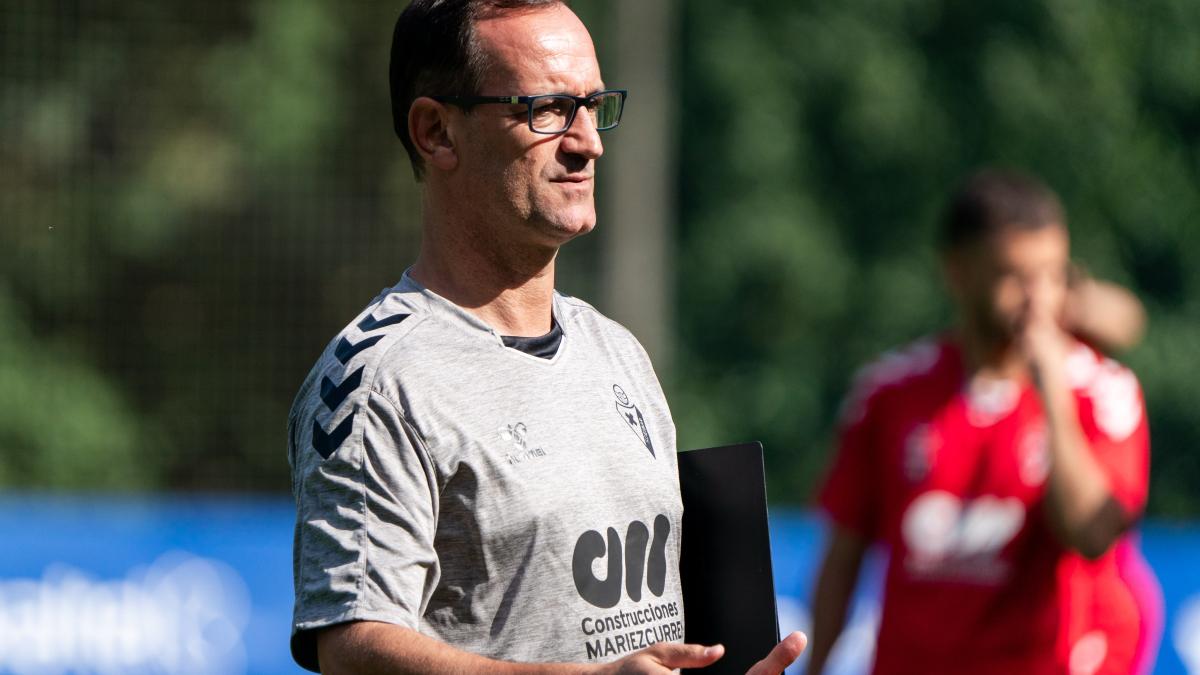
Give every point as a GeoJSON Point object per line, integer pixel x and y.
{"type": "Point", "coordinates": [517, 507]}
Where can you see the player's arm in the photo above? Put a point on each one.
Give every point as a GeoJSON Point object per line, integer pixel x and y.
{"type": "Point", "coordinates": [1104, 314]}
{"type": "Point", "coordinates": [370, 648]}
{"type": "Point", "coordinates": [835, 584]}
{"type": "Point", "coordinates": [367, 648]}
{"type": "Point", "coordinates": [1081, 507]}
{"type": "Point", "coordinates": [1080, 504]}
{"type": "Point", "coordinates": [851, 496]}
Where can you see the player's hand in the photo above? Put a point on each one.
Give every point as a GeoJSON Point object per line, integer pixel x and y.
{"type": "Point", "coordinates": [665, 657]}
{"type": "Point", "coordinates": [1046, 345]}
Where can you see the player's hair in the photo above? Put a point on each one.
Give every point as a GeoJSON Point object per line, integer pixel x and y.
{"type": "Point", "coordinates": [995, 199]}
{"type": "Point", "coordinates": [434, 52]}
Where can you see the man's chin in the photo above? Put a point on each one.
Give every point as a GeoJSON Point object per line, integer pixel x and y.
{"type": "Point", "coordinates": [996, 332]}
{"type": "Point", "coordinates": [566, 229]}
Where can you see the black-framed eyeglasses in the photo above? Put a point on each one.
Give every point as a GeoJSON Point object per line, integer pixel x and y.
{"type": "Point", "coordinates": [554, 113]}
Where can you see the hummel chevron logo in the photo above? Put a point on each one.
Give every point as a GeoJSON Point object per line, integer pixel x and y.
{"type": "Point", "coordinates": [327, 443]}
{"type": "Point", "coordinates": [347, 349]}
{"type": "Point", "coordinates": [371, 323]}
{"type": "Point", "coordinates": [333, 395]}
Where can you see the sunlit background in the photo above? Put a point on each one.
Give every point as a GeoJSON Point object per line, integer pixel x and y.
{"type": "Point", "coordinates": [195, 197]}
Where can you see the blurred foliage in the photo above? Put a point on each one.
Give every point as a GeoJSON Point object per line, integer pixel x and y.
{"type": "Point", "coordinates": [196, 197]}
{"type": "Point", "coordinates": [819, 140]}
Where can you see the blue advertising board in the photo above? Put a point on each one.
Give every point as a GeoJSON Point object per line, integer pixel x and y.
{"type": "Point", "coordinates": [202, 585]}
{"type": "Point", "coordinates": [145, 585]}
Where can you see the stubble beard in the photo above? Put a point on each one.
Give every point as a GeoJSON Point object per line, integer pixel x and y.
{"type": "Point", "coordinates": [555, 220]}
{"type": "Point", "coordinates": [996, 332]}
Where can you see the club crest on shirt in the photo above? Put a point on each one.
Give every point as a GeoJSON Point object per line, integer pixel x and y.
{"type": "Point", "coordinates": [989, 401]}
{"type": "Point", "coordinates": [633, 418]}
{"type": "Point", "coordinates": [920, 452]}
{"type": "Point", "coordinates": [1033, 456]}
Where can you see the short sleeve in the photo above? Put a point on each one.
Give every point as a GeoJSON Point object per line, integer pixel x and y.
{"type": "Point", "coordinates": [1114, 416]}
{"type": "Point", "coordinates": [850, 494]}
{"type": "Point", "coordinates": [365, 523]}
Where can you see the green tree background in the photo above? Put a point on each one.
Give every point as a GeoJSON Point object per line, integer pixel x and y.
{"type": "Point", "coordinates": [195, 197]}
{"type": "Point", "coordinates": [820, 140]}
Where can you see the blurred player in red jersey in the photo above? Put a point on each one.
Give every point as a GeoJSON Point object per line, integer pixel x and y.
{"type": "Point", "coordinates": [1110, 623]}
{"type": "Point", "coordinates": [987, 461]}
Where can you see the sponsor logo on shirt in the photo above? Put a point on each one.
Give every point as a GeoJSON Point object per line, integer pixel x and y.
{"type": "Point", "coordinates": [640, 560]}
{"type": "Point", "coordinates": [633, 418]}
{"type": "Point", "coordinates": [639, 554]}
{"type": "Point", "coordinates": [953, 539]}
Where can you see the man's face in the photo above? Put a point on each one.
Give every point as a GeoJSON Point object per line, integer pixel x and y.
{"type": "Point", "coordinates": [535, 188]}
{"type": "Point", "coordinates": [1017, 274]}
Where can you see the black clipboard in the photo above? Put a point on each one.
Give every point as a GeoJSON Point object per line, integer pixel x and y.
{"type": "Point", "coordinates": [725, 559]}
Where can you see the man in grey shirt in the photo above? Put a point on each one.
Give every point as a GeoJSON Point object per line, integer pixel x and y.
{"type": "Point", "coordinates": [484, 469]}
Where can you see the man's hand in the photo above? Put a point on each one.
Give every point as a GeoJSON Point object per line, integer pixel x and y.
{"type": "Point", "coordinates": [782, 656]}
{"type": "Point", "coordinates": [665, 657]}
{"type": "Point", "coordinates": [1046, 345]}
{"type": "Point", "coordinates": [1082, 511]}
{"type": "Point", "coordinates": [362, 647]}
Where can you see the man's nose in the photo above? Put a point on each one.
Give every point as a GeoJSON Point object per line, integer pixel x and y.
{"type": "Point", "coordinates": [582, 138]}
{"type": "Point", "coordinates": [1039, 297]}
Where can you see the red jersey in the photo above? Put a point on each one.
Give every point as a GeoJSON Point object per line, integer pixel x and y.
{"type": "Point", "coordinates": [951, 481]}
{"type": "Point", "coordinates": [1112, 613]}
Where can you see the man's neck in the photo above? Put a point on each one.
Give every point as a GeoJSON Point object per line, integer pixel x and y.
{"type": "Point", "coordinates": [509, 289]}
{"type": "Point", "coordinates": [990, 357]}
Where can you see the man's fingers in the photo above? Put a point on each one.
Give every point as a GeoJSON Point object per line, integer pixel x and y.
{"type": "Point", "coordinates": [676, 655]}
{"type": "Point", "coordinates": [781, 656]}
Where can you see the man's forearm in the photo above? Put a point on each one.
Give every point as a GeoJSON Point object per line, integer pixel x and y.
{"type": "Point", "coordinates": [370, 648]}
{"type": "Point", "coordinates": [831, 598]}
{"type": "Point", "coordinates": [1079, 498]}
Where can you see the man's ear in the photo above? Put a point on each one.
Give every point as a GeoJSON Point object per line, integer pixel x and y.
{"type": "Point", "coordinates": [429, 129]}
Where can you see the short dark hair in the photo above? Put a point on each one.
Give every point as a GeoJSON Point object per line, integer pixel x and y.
{"type": "Point", "coordinates": [434, 53]}
{"type": "Point", "coordinates": [994, 199]}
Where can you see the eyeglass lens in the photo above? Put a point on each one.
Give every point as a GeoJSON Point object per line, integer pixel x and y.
{"type": "Point", "coordinates": [552, 114]}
